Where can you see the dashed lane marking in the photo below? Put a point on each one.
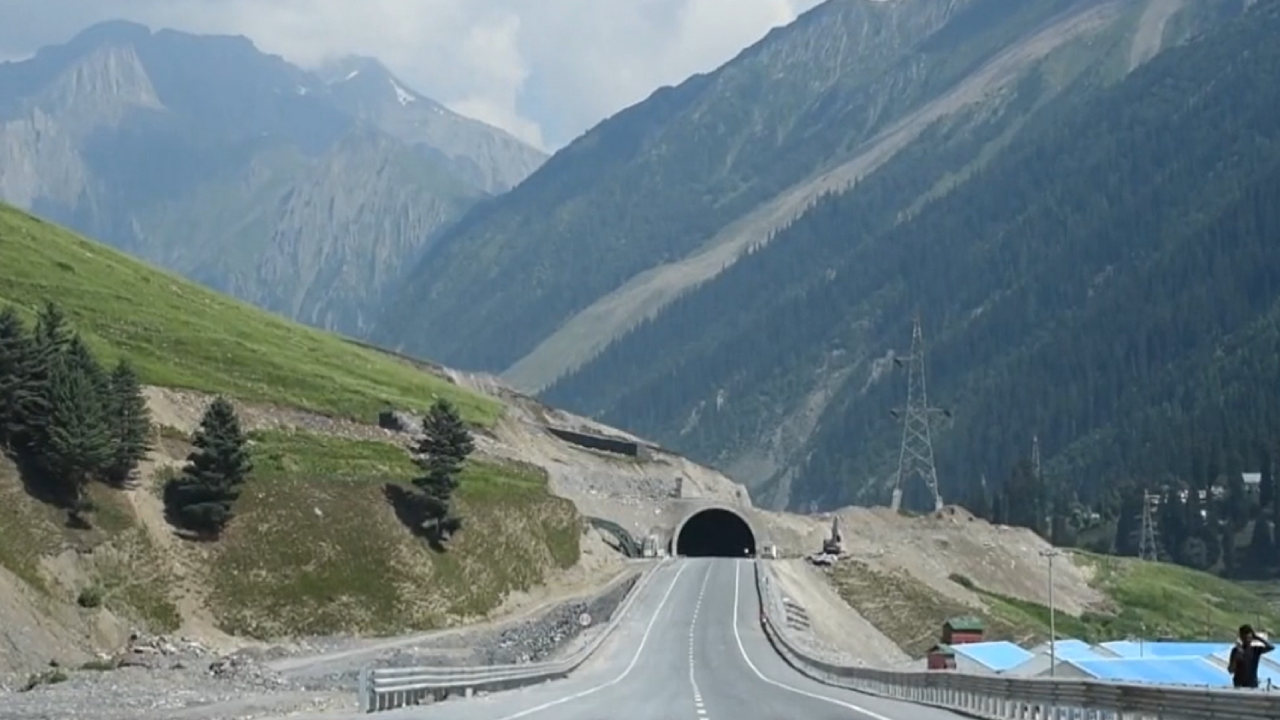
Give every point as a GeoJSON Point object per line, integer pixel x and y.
{"type": "Point", "coordinates": [693, 625]}
{"type": "Point", "coordinates": [644, 639]}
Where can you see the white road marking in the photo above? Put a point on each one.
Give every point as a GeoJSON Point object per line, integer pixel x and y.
{"type": "Point", "coordinates": [697, 607]}
{"type": "Point", "coordinates": [737, 572]}
{"type": "Point", "coordinates": [644, 639]}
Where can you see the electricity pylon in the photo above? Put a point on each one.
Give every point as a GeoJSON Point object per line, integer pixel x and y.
{"type": "Point", "coordinates": [916, 456]}
{"type": "Point", "coordinates": [1147, 549]}
{"type": "Point", "coordinates": [1035, 457]}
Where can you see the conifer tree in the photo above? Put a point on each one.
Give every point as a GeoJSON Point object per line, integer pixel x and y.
{"type": "Point", "coordinates": [52, 332]}
{"type": "Point", "coordinates": [15, 371]}
{"type": "Point", "coordinates": [49, 343]}
{"type": "Point", "coordinates": [1261, 555]}
{"type": "Point", "coordinates": [202, 498]}
{"type": "Point", "coordinates": [130, 422]}
{"type": "Point", "coordinates": [444, 448]}
{"type": "Point", "coordinates": [77, 443]}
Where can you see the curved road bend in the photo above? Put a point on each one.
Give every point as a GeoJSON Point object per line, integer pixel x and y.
{"type": "Point", "coordinates": [691, 647]}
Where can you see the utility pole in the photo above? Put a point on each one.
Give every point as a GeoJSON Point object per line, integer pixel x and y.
{"type": "Point", "coordinates": [1052, 553]}
{"type": "Point", "coordinates": [1147, 545]}
{"type": "Point", "coordinates": [916, 456]}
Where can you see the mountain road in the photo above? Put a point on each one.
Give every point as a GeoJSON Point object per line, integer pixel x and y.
{"type": "Point", "coordinates": [691, 646]}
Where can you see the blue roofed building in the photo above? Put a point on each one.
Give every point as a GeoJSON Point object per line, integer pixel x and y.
{"type": "Point", "coordinates": [1065, 649]}
{"type": "Point", "coordinates": [1070, 649]}
{"type": "Point", "coordinates": [1162, 648]}
{"type": "Point", "coordinates": [1189, 671]}
{"type": "Point", "coordinates": [989, 657]}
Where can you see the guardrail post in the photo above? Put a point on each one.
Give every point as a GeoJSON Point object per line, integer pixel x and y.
{"type": "Point", "coordinates": [366, 691]}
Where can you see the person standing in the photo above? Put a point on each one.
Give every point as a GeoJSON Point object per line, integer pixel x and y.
{"type": "Point", "coordinates": [1245, 656]}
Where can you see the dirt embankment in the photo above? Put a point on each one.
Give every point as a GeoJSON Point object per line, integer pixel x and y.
{"type": "Point", "coordinates": [631, 491]}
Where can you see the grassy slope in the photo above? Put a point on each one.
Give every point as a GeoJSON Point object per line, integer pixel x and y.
{"type": "Point", "coordinates": [1154, 600]}
{"type": "Point", "coordinates": [316, 546]}
{"type": "Point", "coordinates": [182, 335]}
{"type": "Point", "coordinates": [342, 560]}
{"type": "Point", "coordinates": [116, 558]}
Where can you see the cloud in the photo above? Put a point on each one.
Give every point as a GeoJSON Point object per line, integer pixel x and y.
{"type": "Point", "coordinates": [545, 70]}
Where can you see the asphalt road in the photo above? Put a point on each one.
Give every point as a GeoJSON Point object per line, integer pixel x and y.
{"type": "Point", "coordinates": [691, 647]}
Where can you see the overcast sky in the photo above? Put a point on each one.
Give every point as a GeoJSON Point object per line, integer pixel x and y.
{"type": "Point", "coordinates": [545, 70]}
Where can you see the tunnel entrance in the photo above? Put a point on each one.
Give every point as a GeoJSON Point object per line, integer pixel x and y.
{"type": "Point", "coordinates": [715, 532]}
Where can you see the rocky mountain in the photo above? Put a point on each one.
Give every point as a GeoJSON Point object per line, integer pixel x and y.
{"type": "Point", "coordinates": [300, 193]}
{"type": "Point", "coordinates": [1097, 269]}
{"type": "Point", "coordinates": [653, 273]}
{"type": "Point", "coordinates": [663, 196]}
{"type": "Point", "coordinates": [472, 151]}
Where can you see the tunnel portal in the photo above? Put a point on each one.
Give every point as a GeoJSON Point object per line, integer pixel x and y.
{"type": "Point", "coordinates": [715, 532]}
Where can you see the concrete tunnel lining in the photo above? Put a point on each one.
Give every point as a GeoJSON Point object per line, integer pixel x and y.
{"type": "Point", "coordinates": [715, 531]}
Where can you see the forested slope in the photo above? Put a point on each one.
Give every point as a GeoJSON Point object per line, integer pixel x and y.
{"type": "Point", "coordinates": [659, 182]}
{"type": "Point", "coordinates": [1109, 282]}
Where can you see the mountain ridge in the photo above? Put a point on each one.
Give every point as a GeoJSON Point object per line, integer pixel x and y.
{"type": "Point", "coordinates": [592, 329]}
{"type": "Point", "coordinates": [583, 214]}
{"type": "Point", "coordinates": [196, 152]}
{"type": "Point", "coordinates": [1019, 264]}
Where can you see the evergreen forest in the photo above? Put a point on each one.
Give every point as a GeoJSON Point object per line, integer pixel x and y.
{"type": "Point", "coordinates": [1107, 286]}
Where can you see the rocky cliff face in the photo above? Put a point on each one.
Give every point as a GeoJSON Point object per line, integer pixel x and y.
{"type": "Point", "coordinates": [303, 194]}
{"type": "Point", "coordinates": [480, 155]}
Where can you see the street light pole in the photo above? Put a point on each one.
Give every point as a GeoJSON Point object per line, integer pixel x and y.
{"type": "Point", "coordinates": [1051, 553]}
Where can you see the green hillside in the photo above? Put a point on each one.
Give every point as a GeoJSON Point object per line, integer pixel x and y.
{"type": "Point", "coordinates": [182, 335]}
{"type": "Point", "coordinates": [318, 544]}
{"type": "Point", "coordinates": [1146, 600]}
{"type": "Point", "coordinates": [1108, 281]}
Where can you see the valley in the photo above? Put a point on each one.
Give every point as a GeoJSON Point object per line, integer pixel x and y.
{"type": "Point", "coordinates": [341, 564]}
{"type": "Point", "coordinates": [703, 303]}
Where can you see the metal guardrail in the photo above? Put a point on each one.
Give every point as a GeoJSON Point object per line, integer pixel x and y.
{"type": "Point", "coordinates": [390, 688]}
{"type": "Point", "coordinates": [1003, 698]}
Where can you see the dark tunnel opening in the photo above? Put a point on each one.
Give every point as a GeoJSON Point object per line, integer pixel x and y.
{"type": "Point", "coordinates": [715, 532]}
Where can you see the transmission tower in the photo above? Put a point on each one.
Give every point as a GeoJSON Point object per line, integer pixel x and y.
{"type": "Point", "coordinates": [916, 456]}
{"type": "Point", "coordinates": [1147, 544]}
{"type": "Point", "coordinates": [1035, 457]}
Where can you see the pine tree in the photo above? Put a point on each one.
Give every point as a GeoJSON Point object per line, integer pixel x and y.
{"type": "Point", "coordinates": [201, 499]}
{"type": "Point", "coordinates": [52, 331]}
{"type": "Point", "coordinates": [15, 369]}
{"type": "Point", "coordinates": [49, 344]}
{"type": "Point", "coordinates": [1024, 497]}
{"type": "Point", "coordinates": [1237, 499]}
{"type": "Point", "coordinates": [1261, 555]}
{"type": "Point", "coordinates": [444, 448]}
{"type": "Point", "coordinates": [1229, 560]}
{"type": "Point", "coordinates": [78, 352]}
{"type": "Point", "coordinates": [77, 443]}
{"type": "Point", "coordinates": [1266, 485]}
{"type": "Point", "coordinates": [130, 422]}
